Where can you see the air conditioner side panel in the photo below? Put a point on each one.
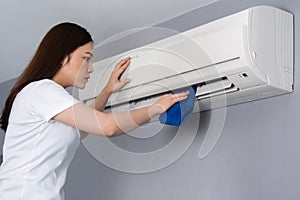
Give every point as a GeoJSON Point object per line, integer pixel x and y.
{"type": "Point", "coordinates": [271, 45]}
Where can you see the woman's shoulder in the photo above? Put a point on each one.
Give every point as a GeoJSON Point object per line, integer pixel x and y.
{"type": "Point", "coordinates": [43, 84]}
{"type": "Point", "coordinates": [40, 87]}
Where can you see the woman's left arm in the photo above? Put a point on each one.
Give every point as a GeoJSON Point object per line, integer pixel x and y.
{"type": "Point", "coordinates": [99, 103]}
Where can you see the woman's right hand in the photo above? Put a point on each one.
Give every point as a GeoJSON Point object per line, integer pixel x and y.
{"type": "Point", "coordinates": [166, 101]}
{"type": "Point", "coordinates": [114, 83]}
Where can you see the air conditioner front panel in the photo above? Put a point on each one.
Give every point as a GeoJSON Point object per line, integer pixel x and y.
{"type": "Point", "coordinates": [153, 63]}
{"type": "Point", "coordinates": [171, 83]}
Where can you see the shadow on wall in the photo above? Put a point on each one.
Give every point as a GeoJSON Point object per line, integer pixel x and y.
{"type": "Point", "coordinates": [1, 158]}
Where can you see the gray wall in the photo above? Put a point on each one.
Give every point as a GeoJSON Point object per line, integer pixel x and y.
{"type": "Point", "coordinates": [257, 156]}
{"type": "Point", "coordinates": [4, 90]}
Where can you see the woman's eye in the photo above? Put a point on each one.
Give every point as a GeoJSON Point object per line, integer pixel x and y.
{"type": "Point", "coordinates": [87, 59]}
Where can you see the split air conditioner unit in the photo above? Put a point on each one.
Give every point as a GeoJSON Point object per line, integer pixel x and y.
{"type": "Point", "coordinates": [239, 58]}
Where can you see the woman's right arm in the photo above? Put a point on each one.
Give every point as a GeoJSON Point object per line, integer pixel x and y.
{"type": "Point", "coordinates": [93, 121]}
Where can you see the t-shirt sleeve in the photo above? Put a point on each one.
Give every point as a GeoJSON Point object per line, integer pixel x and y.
{"type": "Point", "coordinates": [48, 99]}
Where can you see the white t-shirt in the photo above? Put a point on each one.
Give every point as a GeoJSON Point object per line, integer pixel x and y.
{"type": "Point", "coordinates": [37, 151]}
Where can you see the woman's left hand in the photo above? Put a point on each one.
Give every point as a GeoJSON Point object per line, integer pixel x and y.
{"type": "Point", "coordinates": [114, 83]}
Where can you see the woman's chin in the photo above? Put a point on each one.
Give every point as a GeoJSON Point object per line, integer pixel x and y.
{"type": "Point", "coordinates": [80, 85]}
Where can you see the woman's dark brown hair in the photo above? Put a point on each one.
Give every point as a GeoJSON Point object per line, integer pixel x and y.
{"type": "Point", "coordinates": [58, 43]}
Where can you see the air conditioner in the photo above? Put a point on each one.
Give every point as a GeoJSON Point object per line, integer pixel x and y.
{"type": "Point", "coordinates": [239, 58]}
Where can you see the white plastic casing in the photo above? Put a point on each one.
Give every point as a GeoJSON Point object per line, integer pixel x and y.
{"type": "Point", "coordinates": [247, 56]}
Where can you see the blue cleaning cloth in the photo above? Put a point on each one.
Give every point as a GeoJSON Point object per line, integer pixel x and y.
{"type": "Point", "coordinates": [178, 114]}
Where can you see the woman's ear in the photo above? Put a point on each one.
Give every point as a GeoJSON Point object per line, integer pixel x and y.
{"type": "Point", "coordinates": [65, 61]}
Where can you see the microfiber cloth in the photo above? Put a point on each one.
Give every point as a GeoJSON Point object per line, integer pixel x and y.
{"type": "Point", "coordinates": [178, 114]}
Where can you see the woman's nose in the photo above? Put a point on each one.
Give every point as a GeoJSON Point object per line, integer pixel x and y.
{"type": "Point", "coordinates": [91, 68]}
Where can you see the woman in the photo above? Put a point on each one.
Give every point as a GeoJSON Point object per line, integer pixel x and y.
{"type": "Point", "coordinates": [42, 120]}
